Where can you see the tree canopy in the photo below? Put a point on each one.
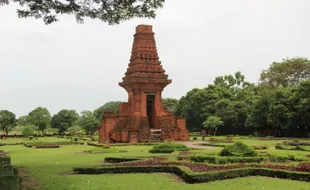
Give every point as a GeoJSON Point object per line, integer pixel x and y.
{"type": "Point", "coordinates": [110, 11]}
{"type": "Point", "coordinates": [109, 106]}
{"type": "Point", "coordinates": [7, 120]}
{"type": "Point", "coordinates": [40, 117]}
{"type": "Point", "coordinates": [286, 73]}
{"type": "Point", "coordinates": [64, 119]}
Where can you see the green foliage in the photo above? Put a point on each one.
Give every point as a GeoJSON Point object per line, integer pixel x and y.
{"type": "Point", "coordinates": [8, 175]}
{"type": "Point", "coordinates": [74, 130]}
{"type": "Point", "coordinates": [197, 177]}
{"type": "Point", "coordinates": [112, 12]}
{"type": "Point", "coordinates": [7, 121]}
{"type": "Point", "coordinates": [170, 104]}
{"type": "Point", "coordinates": [89, 122]}
{"type": "Point", "coordinates": [39, 117]}
{"type": "Point", "coordinates": [64, 119]}
{"type": "Point", "coordinates": [27, 130]}
{"type": "Point", "coordinates": [238, 149]}
{"type": "Point", "coordinates": [226, 160]}
{"type": "Point", "coordinates": [100, 150]}
{"type": "Point", "coordinates": [213, 122]}
{"type": "Point", "coordinates": [51, 130]}
{"type": "Point", "coordinates": [289, 72]}
{"type": "Point", "coordinates": [168, 148]}
{"type": "Point", "coordinates": [109, 106]}
{"type": "Point", "coordinates": [119, 160]}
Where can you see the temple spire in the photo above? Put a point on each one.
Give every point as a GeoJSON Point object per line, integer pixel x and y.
{"type": "Point", "coordinates": [144, 66]}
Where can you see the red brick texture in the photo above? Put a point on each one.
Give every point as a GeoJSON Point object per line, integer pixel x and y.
{"type": "Point", "coordinates": [144, 82]}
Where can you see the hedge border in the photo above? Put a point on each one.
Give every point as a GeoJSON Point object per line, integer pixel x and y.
{"type": "Point", "coordinates": [190, 177]}
{"type": "Point", "coordinates": [225, 159]}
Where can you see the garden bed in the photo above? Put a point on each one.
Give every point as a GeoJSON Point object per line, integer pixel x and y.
{"type": "Point", "coordinates": [196, 177]}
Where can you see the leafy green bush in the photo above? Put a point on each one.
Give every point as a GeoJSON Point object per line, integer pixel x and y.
{"type": "Point", "coordinates": [30, 137]}
{"type": "Point", "coordinates": [27, 130]}
{"type": "Point", "coordinates": [119, 160]}
{"type": "Point", "coordinates": [238, 149]}
{"type": "Point", "coordinates": [226, 160]}
{"type": "Point", "coordinates": [168, 148]}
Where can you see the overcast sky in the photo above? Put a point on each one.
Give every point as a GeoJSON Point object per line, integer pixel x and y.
{"type": "Point", "coordinates": [72, 66]}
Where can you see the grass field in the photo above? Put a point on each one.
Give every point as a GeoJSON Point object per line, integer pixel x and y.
{"type": "Point", "coordinates": [52, 167]}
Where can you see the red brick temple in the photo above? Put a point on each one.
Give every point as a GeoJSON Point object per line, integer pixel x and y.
{"type": "Point", "coordinates": [143, 118]}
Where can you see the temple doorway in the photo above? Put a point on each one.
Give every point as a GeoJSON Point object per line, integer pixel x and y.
{"type": "Point", "coordinates": [151, 110]}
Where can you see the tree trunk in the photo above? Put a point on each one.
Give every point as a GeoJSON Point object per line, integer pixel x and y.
{"type": "Point", "coordinates": [6, 132]}
{"type": "Point", "coordinates": [215, 131]}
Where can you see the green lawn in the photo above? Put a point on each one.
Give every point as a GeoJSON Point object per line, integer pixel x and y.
{"type": "Point", "coordinates": [50, 168]}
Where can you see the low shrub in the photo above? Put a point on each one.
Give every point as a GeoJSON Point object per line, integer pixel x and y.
{"type": "Point", "coordinates": [190, 177]}
{"type": "Point", "coordinates": [238, 149]}
{"type": "Point", "coordinates": [100, 150]}
{"type": "Point", "coordinates": [119, 160]}
{"type": "Point", "coordinates": [33, 144]}
{"type": "Point", "coordinates": [47, 146]}
{"type": "Point", "coordinates": [30, 138]}
{"type": "Point", "coordinates": [168, 148]}
{"type": "Point", "coordinates": [98, 145]}
{"type": "Point", "coordinates": [8, 174]}
{"type": "Point", "coordinates": [5, 161]}
{"type": "Point", "coordinates": [280, 146]}
{"type": "Point", "coordinates": [276, 158]}
{"type": "Point", "coordinates": [194, 138]}
{"type": "Point", "coordinates": [226, 160]}
{"type": "Point", "coordinates": [297, 143]}
{"type": "Point", "coordinates": [260, 147]}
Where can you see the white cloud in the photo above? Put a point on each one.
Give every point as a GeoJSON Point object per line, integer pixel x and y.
{"type": "Point", "coordinates": [68, 65]}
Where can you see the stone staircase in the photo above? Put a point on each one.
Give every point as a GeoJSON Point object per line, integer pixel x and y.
{"type": "Point", "coordinates": [156, 135]}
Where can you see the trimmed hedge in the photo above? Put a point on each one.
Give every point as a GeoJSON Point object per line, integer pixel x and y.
{"type": "Point", "coordinates": [191, 177]}
{"type": "Point", "coordinates": [100, 150]}
{"type": "Point", "coordinates": [275, 158]}
{"type": "Point", "coordinates": [119, 160]}
{"type": "Point", "coordinates": [297, 143]}
{"type": "Point", "coordinates": [226, 160]}
{"type": "Point", "coordinates": [286, 147]}
{"type": "Point", "coordinates": [30, 145]}
{"type": "Point", "coordinates": [168, 148]}
{"type": "Point", "coordinates": [5, 161]}
{"type": "Point", "coordinates": [47, 146]}
{"type": "Point", "coordinates": [238, 149]}
{"type": "Point", "coordinates": [8, 175]}
{"type": "Point", "coordinates": [98, 145]}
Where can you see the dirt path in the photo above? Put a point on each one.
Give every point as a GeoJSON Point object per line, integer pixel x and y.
{"type": "Point", "coordinates": [197, 144]}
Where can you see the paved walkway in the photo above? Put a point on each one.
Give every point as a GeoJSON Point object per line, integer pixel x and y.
{"type": "Point", "coordinates": [197, 144]}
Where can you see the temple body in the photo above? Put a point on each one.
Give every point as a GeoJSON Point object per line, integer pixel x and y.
{"type": "Point", "coordinates": [143, 118]}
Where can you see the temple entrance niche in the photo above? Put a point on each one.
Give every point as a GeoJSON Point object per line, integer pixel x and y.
{"type": "Point", "coordinates": [150, 102]}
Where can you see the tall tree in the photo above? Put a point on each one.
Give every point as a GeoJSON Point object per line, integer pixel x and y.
{"type": "Point", "coordinates": [286, 73]}
{"type": "Point", "coordinates": [170, 104]}
{"type": "Point", "coordinates": [40, 117]}
{"type": "Point", "coordinates": [302, 107]}
{"type": "Point", "coordinates": [88, 122]}
{"type": "Point", "coordinates": [23, 120]}
{"type": "Point", "coordinates": [64, 119]}
{"type": "Point", "coordinates": [111, 11]}
{"type": "Point", "coordinates": [213, 122]}
{"type": "Point", "coordinates": [109, 106]}
{"type": "Point", "coordinates": [7, 121]}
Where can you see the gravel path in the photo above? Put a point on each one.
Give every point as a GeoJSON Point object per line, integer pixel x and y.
{"type": "Point", "coordinates": [197, 144]}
